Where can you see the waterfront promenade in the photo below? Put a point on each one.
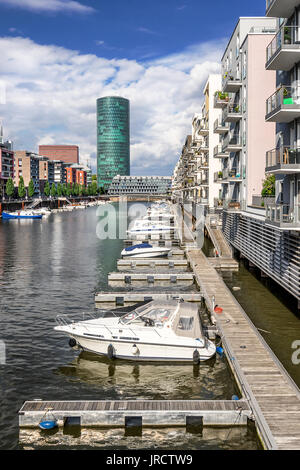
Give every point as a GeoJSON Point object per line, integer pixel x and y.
{"type": "Point", "coordinates": [273, 396]}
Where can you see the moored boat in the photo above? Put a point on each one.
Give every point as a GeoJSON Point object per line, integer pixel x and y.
{"type": "Point", "coordinates": [21, 215]}
{"type": "Point", "coordinates": [145, 250]}
{"type": "Point", "coordinates": [167, 331]}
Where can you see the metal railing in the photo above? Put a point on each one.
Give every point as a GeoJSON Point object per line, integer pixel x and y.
{"type": "Point", "coordinates": [221, 98]}
{"type": "Point", "coordinates": [232, 140]}
{"type": "Point", "coordinates": [228, 78]}
{"type": "Point", "coordinates": [233, 109]}
{"type": "Point", "coordinates": [285, 95]}
{"type": "Point", "coordinates": [287, 35]}
{"type": "Point", "coordinates": [220, 124]}
{"type": "Point", "coordinates": [282, 213]}
{"type": "Point", "coordinates": [218, 150]}
{"type": "Point", "coordinates": [284, 155]}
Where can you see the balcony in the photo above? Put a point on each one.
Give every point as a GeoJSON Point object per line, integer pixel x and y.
{"type": "Point", "coordinates": [283, 105]}
{"type": "Point", "coordinates": [204, 130]}
{"type": "Point", "coordinates": [221, 100]}
{"type": "Point", "coordinates": [232, 143]}
{"type": "Point", "coordinates": [283, 160]}
{"type": "Point", "coordinates": [204, 147]}
{"type": "Point", "coordinates": [233, 175]}
{"type": "Point", "coordinates": [218, 177]}
{"type": "Point", "coordinates": [231, 84]}
{"type": "Point", "coordinates": [220, 126]}
{"type": "Point", "coordinates": [219, 153]}
{"type": "Point", "coordinates": [232, 113]}
{"type": "Point", "coordinates": [283, 216]}
{"type": "Point", "coordinates": [281, 8]}
{"type": "Point", "coordinates": [284, 51]}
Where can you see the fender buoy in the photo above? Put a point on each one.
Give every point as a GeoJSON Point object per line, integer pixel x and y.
{"type": "Point", "coordinates": [218, 309]}
{"type": "Point", "coordinates": [110, 352]}
{"type": "Point", "coordinates": [72, 342]}
{"type": "Point", "coordinates": [196, 357]}
{"type": "Point", "coordinates": [135, 349]}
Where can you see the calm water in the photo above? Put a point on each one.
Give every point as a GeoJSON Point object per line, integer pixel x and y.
{"type": "Point", "coordinates": [269, 308]}
{"type": "Point", "coordinates": [55, 266]}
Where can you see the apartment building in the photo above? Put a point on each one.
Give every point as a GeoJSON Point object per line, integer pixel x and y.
{"type": "Point", "coordinates": [269, 236]}
{"type": "Point", "coordinates": [246, 136]}
{"type": "Point", "coordinates": [6, 165]}
{"type": "Point", "coordinates": [140, 185]}
{"type": "Point", "coordinates": [27, 165]}
{"type": "Point", "coordinates": [66, 153]}
{"type": "Point", "coordinates": [59, 172]}
{"type": "Point", "coordinates": [46, 172]}
{"type": "Point", "coordinates": [283, 109]}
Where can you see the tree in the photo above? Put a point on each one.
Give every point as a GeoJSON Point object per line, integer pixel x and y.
{"type": "Point", "coordinates": [268, 186]}
{"type": "Point", "coordinates": [94, 188]}
{"type": "Point", "coordinates": [59, 190]}
{"type": "Point", "coordinates": [53, 190]}
{"type": "Point", "coordinates": [31, 188]}
{"type": "Point", "coordinates": [21, 188]}
{"type": "Point", "coordinates": [64, 189]}
{"type": "Point", "coordinates": [69, 189]}
{"type": "Point", "coordinates": [47, 189]}
{"type": "Point", "coordinates": [10, 188]}
{"type": "Point", "coordinates": [94, 177]}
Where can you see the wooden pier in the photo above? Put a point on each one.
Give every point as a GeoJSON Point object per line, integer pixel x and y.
{"type": "Point", "coordinates": [153, 413]}
{"type": "Point", "coordinates": [152, 263]}
{"type": "Point", "coordinates": [273, 396]}
{"type": "Point", "coordinates": [144, 279]}
{"type": "Point", "coordinates": [127, 299]}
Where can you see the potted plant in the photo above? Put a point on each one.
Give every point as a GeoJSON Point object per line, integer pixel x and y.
{"type": "Point", "coordinates": [287, 35]}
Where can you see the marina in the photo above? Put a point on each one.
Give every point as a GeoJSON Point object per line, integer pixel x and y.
{"type": "Point", "coordinates": [111, 300]}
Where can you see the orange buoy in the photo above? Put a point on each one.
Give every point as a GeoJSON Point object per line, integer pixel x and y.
{"type": "Point", "coordinates": [218, 309]}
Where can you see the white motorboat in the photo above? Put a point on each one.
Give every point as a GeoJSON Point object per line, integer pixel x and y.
{"type": "Point", "coordinates": [167, 331]}
{"type": "Point", "coordinates": [42, 210]}
{"type": "Point", "coordinates": [144, 250]}
{"type": "Point", "coordinates": [142, 226]}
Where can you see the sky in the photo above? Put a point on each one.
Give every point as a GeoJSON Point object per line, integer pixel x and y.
{"type": "Point", "coordinates": [58, 56]}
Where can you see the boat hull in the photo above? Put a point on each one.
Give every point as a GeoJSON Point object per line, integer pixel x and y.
{"type": "Point", "coordinates": [146, 351]}
{"type": "Point", "coordinates": [6, 215]}
{"type": "Point", "coordinates": [145, 254]}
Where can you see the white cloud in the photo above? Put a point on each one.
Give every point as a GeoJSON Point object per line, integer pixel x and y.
{"type": "Point", "coordinates": [51, 97]}
{"type": "Point", "coordinates": [49, 5]}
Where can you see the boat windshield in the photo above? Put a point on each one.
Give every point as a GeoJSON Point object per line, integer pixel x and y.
{"type": "Point", "coordinates": [151, 317]}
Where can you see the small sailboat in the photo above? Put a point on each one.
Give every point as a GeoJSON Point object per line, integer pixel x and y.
{"type": "Point", "coordinates": [144, 250]}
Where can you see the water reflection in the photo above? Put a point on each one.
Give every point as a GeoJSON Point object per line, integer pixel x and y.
{"type": "Point", "coordinates": [122, 379]}
{"type": "Point", "coordinates": [240, 438]}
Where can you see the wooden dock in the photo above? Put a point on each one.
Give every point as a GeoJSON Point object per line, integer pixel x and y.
{"type": "Point", "coordinates": [144, 279]}
{"type": "Point", "coordinates": [153, 263]}
{"type": "Point", "coordinates": [272, 394]}
{"type": "Point", "coordinates": [153, 413]}
{"type": "Point", "coordinates": [127, 299]}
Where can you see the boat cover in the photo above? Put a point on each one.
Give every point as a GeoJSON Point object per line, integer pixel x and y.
{"type": "Point", "coordinates": [142, 245]}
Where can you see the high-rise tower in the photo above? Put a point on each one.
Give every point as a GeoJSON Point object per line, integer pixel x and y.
{"type": "Point", "coordinates": [113, 139]}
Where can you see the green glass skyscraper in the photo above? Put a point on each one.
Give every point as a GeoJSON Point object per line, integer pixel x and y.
{"type": "Point", "coordinates": [113, 139]}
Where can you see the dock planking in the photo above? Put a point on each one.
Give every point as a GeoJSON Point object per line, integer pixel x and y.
{"type": "Point", "coordinates": [111, 413]}
{"type": "Point", "coordinates": [273, 396]}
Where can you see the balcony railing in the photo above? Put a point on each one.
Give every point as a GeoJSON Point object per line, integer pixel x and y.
{"type": "Point", "coordinates": [284, 158]}
{"type": "Point", "coordinates": [220, 126]}
{"type": "Point", "coordinates": [233, 174]}
{"type": "Point", "coordinates": [221, 99]}
{"type": "Point", "coordinates": [232, 143]}
{"type": "Point", "coordinates": [232, 112]}
{"type": "Point", "coordinates": [219, 153]}
{"type": "Point", "coordinates": [283, 214]}
{"type": "Point", "coordinates": [231, 84]}
{"type": "Point", "coordinates": [284, 50]}
{"type": "Point", "coordinates": [283, 105]}
{"type": "Point", "coordinates": [218, 176]}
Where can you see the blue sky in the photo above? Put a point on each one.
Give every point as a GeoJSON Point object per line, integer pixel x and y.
{"type": "Point", "coordinates": [130, 45]}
